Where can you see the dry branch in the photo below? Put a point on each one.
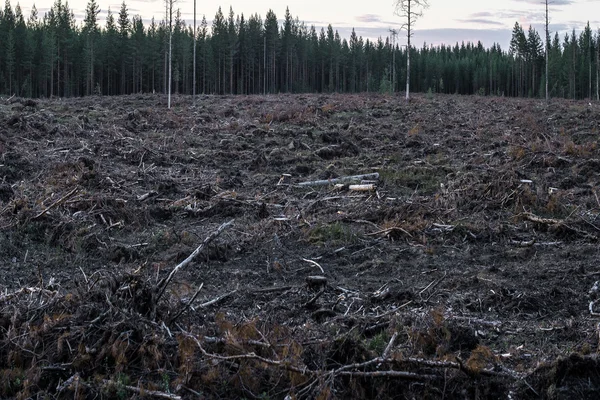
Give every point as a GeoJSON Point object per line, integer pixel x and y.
{"type": "Point", "coordinates": [210, 238]}
{"type": "Point", "coordinates": [390, 374]}
{"type": "Point", "coordinates": [218, 299]}
{"type": "Point", "coordinates": [10, 296]}
{"type": "Point", "coordinates": [143, 392]}
{"type": "Point", "coordinates": [188, 304]}
{"type": "Point", "coordinates": [387, 231]}
{"type": "Point", "coordinates": [333, 181]}
{"type": "Point", "coordinates": [252, 356]}
{"type": "Point", "coordinates": [539, 220]}
{"type": "Point", "coordinates": [315, 264]}
{"type": "Point", "coordinates": [56, 203]}
{"type": "Point", "coordinates": [75, 381]}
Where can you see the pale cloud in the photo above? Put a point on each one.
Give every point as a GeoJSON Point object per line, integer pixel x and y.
{"type": "Point", "coordinates": [480, 21]}
{"type": "Point", "coordinates": [448, 19]}
{"type": "Point", "coordinates": [368, 18]}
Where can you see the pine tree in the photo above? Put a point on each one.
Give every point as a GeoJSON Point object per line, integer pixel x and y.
{"type": "Point", "coordinates": [138, 46]}
{"type": "Point", "coordinates": [29, 53]}
{"type": "Point", "coordinates": [10, 61]}
{"type": "Point", "coordinates": [518, 47]}
{"type": "Point", "coordinates": [110, 43]}
{"type": "Point", "coordinates": [124, 27]}
{"type": "Point", "coordinates": [90, 30]}
{"type": "Point", "coordinates": [272, 44]}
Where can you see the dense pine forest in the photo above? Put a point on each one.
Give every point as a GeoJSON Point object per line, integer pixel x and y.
{"type": "Point", "coordinates": [55, 55]}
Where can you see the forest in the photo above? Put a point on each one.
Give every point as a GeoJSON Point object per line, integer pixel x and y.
{"type": "Point", "coordinates": [55, 55]}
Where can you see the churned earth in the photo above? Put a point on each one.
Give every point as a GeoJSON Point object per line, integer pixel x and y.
{"type": "Point", "coordinates": [463, 266]}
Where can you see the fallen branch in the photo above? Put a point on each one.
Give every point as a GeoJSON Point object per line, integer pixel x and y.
{"type": "Point", "coordinates": [56, 203]}
{"type": "Point", "coordinates": [75, 381]}
{"type": "Point", "coordinates": [539, 220]}
{"type": "Point", "coordinates": [558, 222]}
{"type": "Point", "coordinates": [146, 196]}
{"type": "Point", "coordinates": [314, 263]}
{"type": "Point", "coordinates": [210, 238]}
{"type": "Point", "coordinates": [10, 296]}
{"type": "Point", "coordinates": [387, 231]}
{"type": "Point", "coordinates": [252, 356]}
{"type": "Point", "coordinates": [391, 374]}
{"type": "Point", "coordinates": [326, 182]}
{"type": "Point", "coordinates": [188, 304]}
{"type": "Point", "coordinates": [218, 299]}
{"type": "Point", "coordinates": [315, 298]}
{"type": "Point", "coordinates": [143, 392]}
{"type": "Point", "coordinates": [388, 348]}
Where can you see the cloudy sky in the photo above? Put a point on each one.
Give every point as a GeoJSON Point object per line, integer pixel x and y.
{"type": "Point", "coordinates": [444, 22]}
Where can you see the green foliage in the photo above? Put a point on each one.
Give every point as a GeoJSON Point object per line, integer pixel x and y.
{"type": "Point", "coordinates": [378, 343]}
{"type": "Point", "coordinates": [385, 86]}
{"type": "Point", "coordinates": [429, 94]}
{"type": "Point", "coordinates": [409, 179]}
{"type": "Point", "coordinates": [57, 55]}
{"type": "Point", "coordinates": [335, 233]}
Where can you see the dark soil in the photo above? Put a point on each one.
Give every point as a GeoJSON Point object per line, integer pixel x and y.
{"type": "Point", "coordinates": [475, 258]}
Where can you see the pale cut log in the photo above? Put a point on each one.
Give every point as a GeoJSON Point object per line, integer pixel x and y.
{"type": "Point", "coordinates": [362, 188]}
{"type": "Point", "coordinates": [333, 181]}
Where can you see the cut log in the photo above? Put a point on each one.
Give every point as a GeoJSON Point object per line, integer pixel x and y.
{"type": "Point", "coordinates": [333, 181]}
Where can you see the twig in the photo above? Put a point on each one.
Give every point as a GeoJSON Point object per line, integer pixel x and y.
{"type": "Point", "coordinates": [591, 308]}
{"type": "Point", "coordinates": [56, 203]}
{"type": "Point", "coordinates": [315, 298]}
{"type": "Point", "coordinates": [434, 285]}
{"type": "Point", "coordinates": [392, 374]}
{"type": "Point", "coordinates": [314, 263]}
{"type": "Point", "coordinates": [596, 195]}
{"type": "Point", "coordinates": [218, 299]}
{"type": "Point", "coordinates": [188, 304]}
{"type": "Point", "coordinates": [62, 386]}
{"type": "Point", "coordinates": [387, 231]}
{"type": "Point", "coordinates": [210, 238]}
{"type": "Point", "coordinates": [258, 343]}
{"type": "Point", "coordinates": [549, 221]}
{"type": "Point", "coordinates": [145, 392]}
{"type": "Point", "coordinates": [253, 356]}
{"type": "Point", "coordinates": [388, 348]}
{"type": "Point", "coordinates": [393, 310]}
{"type": "Point", "coordinates": [10, 296]}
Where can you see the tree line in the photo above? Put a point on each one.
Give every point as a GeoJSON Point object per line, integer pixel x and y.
{"type": "Point", "coordinates": [54, 55]}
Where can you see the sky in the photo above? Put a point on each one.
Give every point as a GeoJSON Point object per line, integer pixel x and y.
{"type": "Point", "coordinates": [445, 21]}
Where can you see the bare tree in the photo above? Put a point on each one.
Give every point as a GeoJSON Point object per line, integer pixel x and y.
{"type": "Point", "coordinates": [393, 34]}
{"type": "Point", "coordinates": [547, 44]}
{"type": "Point", "coordinates": [169, 6]}
{"type": "Point", "coordinates": [411, 10]}
{"type": "Point", "coordinates": [194, 73]}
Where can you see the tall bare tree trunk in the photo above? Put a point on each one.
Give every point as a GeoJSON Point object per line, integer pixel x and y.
{"type": "Point", "coordinates": [547, 43]}
{"type": "Point", "coordinates": [409, 9]}
{"type": "Point", "coordinates": [408, 56]}
{"type": "Point", "coordinates": [170, 48]}
{"type": "Point", "coordinates": [598, 66]}
{"type": "Point", "coordinates": [194, 63]}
